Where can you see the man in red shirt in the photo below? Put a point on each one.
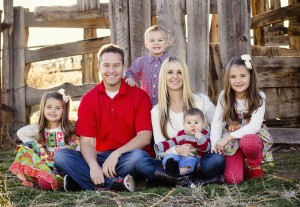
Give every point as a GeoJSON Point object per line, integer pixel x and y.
{"type": "Point", "coordinates": [114, 125]}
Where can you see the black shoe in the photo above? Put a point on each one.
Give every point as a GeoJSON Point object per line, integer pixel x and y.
{"type": "Point", "coordinates": [122, 184]}
{"type": "Point", "coordinates": [70, 184]}
{"type": "Point", "coordinates": [172, 167]}
{"type": "Point", "coordinates": [219, 179]}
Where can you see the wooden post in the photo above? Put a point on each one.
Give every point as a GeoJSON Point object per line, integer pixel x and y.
{"type": "Point", "coordinates": [294, 30]}
{"type": "Point", "coordinates": [7, 61]}
{"type": "Point", "coordinates": [138, 23]}
{"type": "Point", "coordinates": [119, 26]}
{"type": "Point", "coordinates": [214, 31]}
{"type": "Point", "coordinates": [234, 29]}
{"type": "Point", "coordinates": [0, 76]}
{"type": "Point", "coordinates": [258, 7]}
{"type": "Point", "coordinates": [171, 15]}
{"type": "Point", "coordinates": [198, 43]}
{"type": "Point", "coordinates": [90, 61]}
{"type": "Point", "coordinates": [20, 43]}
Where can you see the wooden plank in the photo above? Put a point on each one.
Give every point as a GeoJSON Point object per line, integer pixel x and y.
{"type": "Point", "coordinates": [277, 15]}
{"type": "Point", "coordinates": [46, 13]}
{"type": "Point", "coordinates": [171, 17]}
{"type": "Point", "coordinates": [34, 95]}
{"type": "Point", "coordinates": [214, 31]}
{"type": "Point", "coordinates": [279, 77]}
{"type": "Point", "coordinates": [234, 32]}
{"type": "Point", "coordinates": [258, 50]}
{"type": "Point", "coordinates": [276, 40]}
{"type": "Point", "coordinates": [20, 42]}
{"type": "Point", "coordinates": [282, 102]}
{"type": "Point", "coordinates": [198, 43]}
{"type": "Point", "coordinates": [258, 7]}
{"type": "Point", "coordinates": [66, 50]}
{"type": "Point", "coordinates": [276, 61]}
{"type": "Point", "coordinates": [119, 27]}
{"type": "Point", "coordinates": [138, 23]}
{"type": "Point", "coordinates": [102, 23]}
{"type": "Point", "coordinates": [285, 135]}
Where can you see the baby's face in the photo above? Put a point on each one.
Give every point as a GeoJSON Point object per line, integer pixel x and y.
{"type": "Point", "coordinates": [156, 43]}
{"type": "Point", "coordinates": [192, 124]}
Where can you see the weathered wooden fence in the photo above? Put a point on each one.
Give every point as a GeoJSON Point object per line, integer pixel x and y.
{"type": "Point", "coordinates": [206, 51]}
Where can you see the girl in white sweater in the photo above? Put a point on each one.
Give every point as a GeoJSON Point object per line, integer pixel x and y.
{"type": "Point", "coordinates": [237, 128]}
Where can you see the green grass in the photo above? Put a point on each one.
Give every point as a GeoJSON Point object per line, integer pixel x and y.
{"type": "Point", "coordinates": [280, 187]}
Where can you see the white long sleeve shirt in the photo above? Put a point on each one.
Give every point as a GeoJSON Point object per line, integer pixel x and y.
{"type": "Point", "coordinates": [28, 133]}
{"type": "Point", "coordinates": [175, 125]}
{"type": "Point", "coordinates": [253, 127]}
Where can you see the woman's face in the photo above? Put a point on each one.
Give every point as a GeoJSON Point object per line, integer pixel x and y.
{"type": "Point", "coordinates": [174, 77]}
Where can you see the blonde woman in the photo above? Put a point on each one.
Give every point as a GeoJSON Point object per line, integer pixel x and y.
{"type": "Point", "coordinates": [175, 96]}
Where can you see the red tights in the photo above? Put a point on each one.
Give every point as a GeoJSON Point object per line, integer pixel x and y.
{"type": "Point", "coordinates": [250, 149]}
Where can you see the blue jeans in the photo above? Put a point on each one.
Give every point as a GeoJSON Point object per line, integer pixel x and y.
{"type": "Point", "coordinates": [135, 162]}
{"type": "Point", "coordinates": [187, 161]}
{"type": "Point", "coordinates": [212, 164]}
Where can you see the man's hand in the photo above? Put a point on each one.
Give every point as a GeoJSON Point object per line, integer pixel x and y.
{"type": "Point", "coordinates": [109, 166]}
{"type": "Point", "coordinates": [96, 174]}
{"type": "Point", "coordinates": [130, 82]}
{"type": "Point", "coordinates": [185, 150]}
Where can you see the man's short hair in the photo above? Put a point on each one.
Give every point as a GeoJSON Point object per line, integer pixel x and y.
{"type": "Point", "coordinates": [194, 112]}
{"type": "Point", "coordinates": [111, 48]}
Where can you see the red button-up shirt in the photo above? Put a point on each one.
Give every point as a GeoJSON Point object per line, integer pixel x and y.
{"type": "Point", "coordinates": [114, 122]}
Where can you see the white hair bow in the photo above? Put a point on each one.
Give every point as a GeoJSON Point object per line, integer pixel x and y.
{"type": "Point", "coordinates": [246, 58]}
{"type": "Point", "coordinates": [65, 97]}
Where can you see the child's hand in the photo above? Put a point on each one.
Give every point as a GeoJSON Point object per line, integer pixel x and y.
{"type": "Point", "coordinates": [198, 135]}
{"type": "Point", "coordinates": [130, 82]}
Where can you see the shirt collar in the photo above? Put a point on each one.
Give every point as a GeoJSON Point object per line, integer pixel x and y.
{"type": "Point", "coordinates": [151, 58]}
{"type": "Point", "coordinates": [123, 88]}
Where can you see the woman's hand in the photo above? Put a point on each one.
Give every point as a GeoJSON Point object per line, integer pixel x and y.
{"type": "Point", "coordinates": [185, 150]}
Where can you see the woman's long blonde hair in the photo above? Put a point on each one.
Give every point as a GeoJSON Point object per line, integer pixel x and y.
{"type": "Point", "coordinates": [164, 96]}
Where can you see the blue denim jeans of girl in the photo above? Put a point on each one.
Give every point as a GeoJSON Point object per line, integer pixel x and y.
{"type": "Point", "coordinates": [135, 162]}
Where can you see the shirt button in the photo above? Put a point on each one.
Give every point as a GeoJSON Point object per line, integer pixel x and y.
{"type": "Point", "coordinates": [154, 76]}
{"type": "Point", "coordinates": [153, 86]}
{"type": "Point", "coordinates": [153, 96]}
{"type": "Point", "coordinates": [155, 65]}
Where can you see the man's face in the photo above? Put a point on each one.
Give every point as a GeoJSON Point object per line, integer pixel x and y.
{"type": "Point", "coordinates": [111, 70]}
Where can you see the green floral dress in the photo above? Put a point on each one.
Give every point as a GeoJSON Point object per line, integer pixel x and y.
{"type": "Point", "coordinates": [34, 163]}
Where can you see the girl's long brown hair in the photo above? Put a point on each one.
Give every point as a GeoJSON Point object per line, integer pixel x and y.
{"type": "Point", "coordinates": [253, 99]}
{"type": "Point", "coordinates": [66, 126]}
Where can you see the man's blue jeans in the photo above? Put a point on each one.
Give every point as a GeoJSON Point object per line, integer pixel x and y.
{"type": "Point", "coordinates": [136, 163]}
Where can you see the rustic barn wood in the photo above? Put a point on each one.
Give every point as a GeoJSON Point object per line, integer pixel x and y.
{"type": "Point", "coordinates": [34, 95]}
{"type": "Point", "coordinates": [282, 102]}
{"type": "Point", "coordinates": [258, 50]}
{"type": "Point", "coordinates": [277, 15]}
{"type": "Point", "coordinates": [171, 17]}
{"type": "Point", "coordinates": [119, 21]}
{"type": "Point", "coordinates": [285, 135]}
{"type": "Point", "coordinates": [214, 31]}
{"type": "Point", "coordinates": [30, 21]}
{"type": "Point", "coordinates": [20, 43]}
{"type": "Point", "coordinates": [198, 43]}
{"type": "Point", "coordinates": [258, 7]}
{"type": "Point", "coordinates": [279, 77]}
{"type": "Point", "coordinates": [83, 5]}
{"type": "Point", "coordinates": [277, 61]}
{"type": "Point", "coordinates": [90, 60]}
{"type": "Point", "coordinates": [8, 54]}
{"type": "Point", "coordinates": [234, 41]}
{"type": "Point", "coordinates": [294, 25]}
{"type": "Point", "coordinates": [138, 23]}
{"type": "Point", "coordinates": [66, 50]}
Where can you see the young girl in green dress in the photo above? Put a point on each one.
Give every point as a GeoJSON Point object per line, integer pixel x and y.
{"type": "Point", "coordinates": [34, 163]}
